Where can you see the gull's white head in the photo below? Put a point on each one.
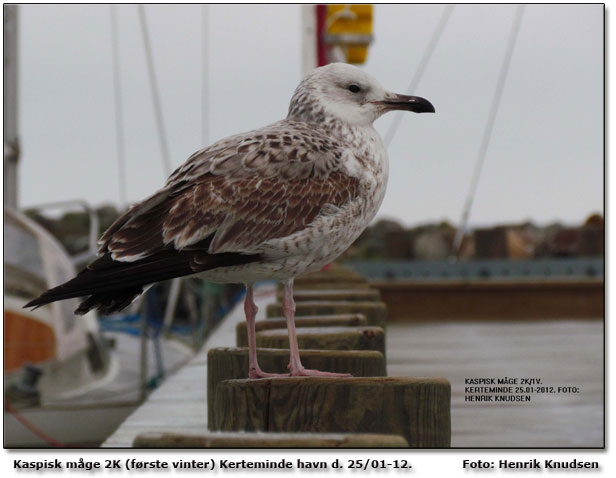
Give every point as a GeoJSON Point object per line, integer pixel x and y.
{"type": "Point", "coordinates": [348, 94]}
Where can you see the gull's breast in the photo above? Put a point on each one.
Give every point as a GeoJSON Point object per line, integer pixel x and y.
{"type": "Point", "coordinates": [336, 228]}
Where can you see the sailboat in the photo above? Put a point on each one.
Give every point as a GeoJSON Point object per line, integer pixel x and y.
{"type": "Point", "coordinates": [50, 355]}
{"type": "Point", "coordinates": [65, 382]}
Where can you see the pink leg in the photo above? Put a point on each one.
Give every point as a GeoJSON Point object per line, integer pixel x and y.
{"type": "Point", "coordinates": [295, 364]}
{"type": "Point", "coordinates": [251, 309]}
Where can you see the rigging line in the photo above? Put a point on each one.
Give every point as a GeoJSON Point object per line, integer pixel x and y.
{"type": "Point", "coordinates": [487, 134]}
{"type": "Point", "coordinates": [421, 68]}
{"type": "Point", "coordinates": [119, 119]}
{"type": "Point", "coordinates": [30, 426]}
{"type": "Point", "coordinates": [154, 88]}
{"type": "Point", "coordinates": [205, 117]}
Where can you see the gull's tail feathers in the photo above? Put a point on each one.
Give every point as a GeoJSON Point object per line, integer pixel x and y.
{"type": "Point", "coordinates": [111, 285]}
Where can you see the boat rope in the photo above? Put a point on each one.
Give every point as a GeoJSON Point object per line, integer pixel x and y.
{"type": "Point", "coordinates": [489, 127]}
{"type": "Point", "coordinates": [30, 426]}
{"type": "Point", "coordinates": [119, 119]}
{"type": "Point", "coordinates": [421, 68]}
{"type": "Point", "coordinates": [154, 89]}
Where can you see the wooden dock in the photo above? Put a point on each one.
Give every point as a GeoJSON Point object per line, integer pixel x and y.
{"type": "Point", "coordinates": [490, 300]}
{"type": "Point", "coordinates": [560, 353]}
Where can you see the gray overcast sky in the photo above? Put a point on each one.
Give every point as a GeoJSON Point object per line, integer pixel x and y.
{"type": "Point", "coordinates": [545, 161]}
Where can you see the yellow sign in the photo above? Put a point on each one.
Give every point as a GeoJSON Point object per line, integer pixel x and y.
{"type": "Point", "coordinates": [349, 28]}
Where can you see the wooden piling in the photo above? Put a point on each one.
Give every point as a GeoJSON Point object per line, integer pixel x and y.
{"type": "Point", "coordinates": [348, 320]}
{"type": "Point", "coordinates": [329, 284]}
{"type": "Point", "coordinates": [335, 271]}
{"type": "Point", "coordinates": [326, 338]}
{"type": "Point", "coordinates": [349, 295]}
{"type": "Point", "coordinates": [226, 363]}
{"type": "Point", "coordinates": [268, 440]}
{"type": "Point", "coordinates": [416, 408]}
{"type": "Point", "coordinates": [375, 311]}
{"type": "Point", "coordinates": [333, 278]}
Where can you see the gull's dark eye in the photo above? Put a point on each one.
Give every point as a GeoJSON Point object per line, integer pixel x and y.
{"type": "Point", "coordinates": [354, 89]}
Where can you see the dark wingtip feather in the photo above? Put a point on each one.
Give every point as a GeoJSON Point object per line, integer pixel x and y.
{"type": "Point", "coordinates": [36, 303]}
{"type": "Point", "coordinates": [110, 286]}
{"type": "Point", "coordinates": [52, 295]}
{"type": "Point", "coordinates": [109, 303]}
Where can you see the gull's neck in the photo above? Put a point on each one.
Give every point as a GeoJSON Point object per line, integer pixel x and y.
{"type": "Point", "coordinates": [315, 114]}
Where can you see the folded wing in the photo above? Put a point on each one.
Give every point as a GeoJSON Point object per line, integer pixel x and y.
{"type": "Point", "coordinates": [216, 210]}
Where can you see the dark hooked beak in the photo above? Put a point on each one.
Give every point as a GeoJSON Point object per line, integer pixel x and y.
{"type": "Point", "coordinates": [408, 103]}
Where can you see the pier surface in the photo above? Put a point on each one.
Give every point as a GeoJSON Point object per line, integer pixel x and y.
{"type": "Point", "coordinates": [179, 405]}
{"type": "Point", "coordinates": [558, 352]}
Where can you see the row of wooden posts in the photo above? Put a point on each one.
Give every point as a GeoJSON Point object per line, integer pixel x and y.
{"type": "Point", "coordinates": [340, 328]}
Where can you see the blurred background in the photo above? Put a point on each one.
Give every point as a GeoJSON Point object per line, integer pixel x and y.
{"type": "Point", "coordinates": [546, 152]}
{"type": "Point", "coordinates": [504, 184]}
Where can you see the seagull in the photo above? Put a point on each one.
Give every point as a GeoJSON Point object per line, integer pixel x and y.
{"type": "Point", "coordinates": [272, 203]}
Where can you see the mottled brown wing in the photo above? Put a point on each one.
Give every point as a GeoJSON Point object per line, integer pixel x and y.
{"type": "Point", "coordinates": [286, 149]}
{"type": "Point", "coordinates": [237, 194]}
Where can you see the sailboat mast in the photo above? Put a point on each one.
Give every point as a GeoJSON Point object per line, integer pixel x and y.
{"type": "Point", "coordinates": [309, 38]}
{"type": "Point", "coordinates": [11, 141]}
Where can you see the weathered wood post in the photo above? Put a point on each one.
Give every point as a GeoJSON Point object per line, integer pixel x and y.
{"type": "Point", "coordinates": [375, 311]}
{"type": "Point", "coordinates": [416, 408]}
{"type": "Point", "coordinates": [326, 338]}
{"type": "Point", "coordinates": [268, 440]}
{"type": "Point", "coordinates": [225, 363]}
{"type": "Point", "coordinates": [365, 294]}
{"type": "Point", "coordinates": [342, 320]}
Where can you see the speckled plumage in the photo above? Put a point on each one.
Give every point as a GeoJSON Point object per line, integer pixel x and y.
{"type": "Point", "coordinates": [271, 203]}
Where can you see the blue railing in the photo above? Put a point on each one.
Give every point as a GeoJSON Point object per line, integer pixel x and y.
{"type": "Point", "coordinates": [532, 269]}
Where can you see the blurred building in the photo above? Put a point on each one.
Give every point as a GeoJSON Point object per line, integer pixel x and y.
{"type": "Point", "coordinates": [388, 240]}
